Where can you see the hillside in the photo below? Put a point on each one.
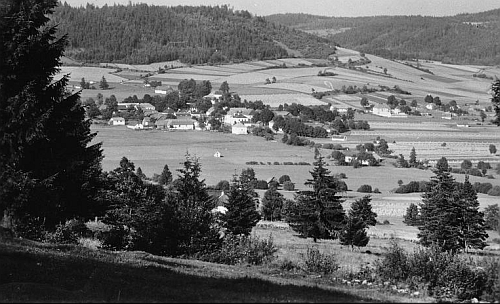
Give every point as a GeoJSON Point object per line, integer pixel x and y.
{"type": "Point", "coordinates": [39, 272]}
{"type": "Point", "coordinates": [142, 34]}
{"type": "Point", "coordinates": [460, 39]}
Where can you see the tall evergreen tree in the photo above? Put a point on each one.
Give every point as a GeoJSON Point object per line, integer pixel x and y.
{"type": "Point", "coordinates": [103, 84]}
{"type": "Point", "coordinates": [354, 232]}
{"type": "Point", "coordinates": [412, 217]}
{"type": "Point", "coordinates": [272, 205]}
{"type": "Point", "coordinates": [165, 176]}
{"type": "Point", "coordinates": [319, 213]}
{"type": "Point", "coordinates": [449, 213]}
{"type": "Point", "coordinates": [242, 214]}
{"type": "Point", "coordinates": [495, 88]}
{"type": "Point", "coordinates": [413, 157]}
{"type": "Point", "coordinates": [49, 172]}
{"type": "Point", "coordinates": [192, 206]}
{"type": "Point", "coordinates": [362, 209]}
{"type": "Point", "coordinates": [471, 227]}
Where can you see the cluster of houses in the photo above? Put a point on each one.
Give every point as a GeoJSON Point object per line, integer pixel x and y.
{"type": "Point", "coordinates": [238, 118]}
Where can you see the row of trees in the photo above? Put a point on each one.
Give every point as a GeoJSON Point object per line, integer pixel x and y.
{"type": "Point", "coordinates": [143, 34]}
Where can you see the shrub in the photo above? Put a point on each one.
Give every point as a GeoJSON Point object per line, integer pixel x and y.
{"type": "Point", "coordinates": [318, 262]}
{"type": "Point", "coordinates": [365, 189]}
{"type": "Point", "coordinates": [240, 249]}
{"type": "Point", "coordinates": [287, 163]}
{"type": "Point", "coordinates": [304, 163]}
{"type": "Point", "coordinates": [495, 191]}
{"type": "Point", "coordinates": [376, 190]}
{"type": "Point", "coordinates": [288, 186]}
{"type": "Point", "coordinates": [288, 265]}
{"type": "Point", "coordinates": [68, 233]}
{"type": "Point", "coordinates": [116, 238]}
{"type": "Point", "coordinates": [444, 274]}
{"type": "Point", "coordinates": [261, 184]}
{"type": "Point", "coordinates": [276, 163]}
{"type": "Point", "coordinates": [252, 162]}
{"type": "Point", "coordinates": [284, 178]}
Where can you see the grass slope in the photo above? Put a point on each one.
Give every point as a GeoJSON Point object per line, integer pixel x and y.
{"type": "Point", "coordinates": [36, 272]}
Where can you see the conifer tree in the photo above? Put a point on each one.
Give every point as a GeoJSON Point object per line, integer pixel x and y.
{"type": "Point", "coordinates": [103, 84]}
{"type": "Point", "coordinates": [319, 213]}
{"type": "Point", "coordinates": [449, 213]}
{"type": "Point", "coordinates": [272, 205]}
{"type": "Point", "coordinates": [191, 205]}
{"type": "Point", "coordinates": [412, 217]}
{"type": "Point", "coordinates": [413, 158]}
{"type": "Point", "coordinates": [495, 88]}
{"type": "Point", "coordinates": [362, 209]}
{"type": "Point", "coordinates": [49, 172]}
{"type": "Point", "coordinates": [242, 214]}
{"type": "Point", "coordinates": [165, 176]}
{"type": "Point", "coordinates": [471, 226]}
{"type": "Point", "coordinates": [354, 232]}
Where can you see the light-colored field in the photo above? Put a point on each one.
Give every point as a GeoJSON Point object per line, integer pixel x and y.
{"type": "Point", "coordinates": [89, 73]}
{"type": "Point", "coordinates": [275, 100]}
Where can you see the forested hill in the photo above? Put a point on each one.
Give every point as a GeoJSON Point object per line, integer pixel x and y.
{"type": "Point", "coordinates": [142, 34]}
{"type": "Point", "coordinates": [460, 39]}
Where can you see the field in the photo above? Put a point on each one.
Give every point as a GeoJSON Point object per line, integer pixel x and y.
{"type": "Point", "coordinates": [432, 137]}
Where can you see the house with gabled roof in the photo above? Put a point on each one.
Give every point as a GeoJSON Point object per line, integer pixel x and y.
{"type": "Point", "coordinates": [116, 121]}
{"type": "Point", "coordinates": [180, 124]}
{"type": "Point", "coordinates": [239, 128]}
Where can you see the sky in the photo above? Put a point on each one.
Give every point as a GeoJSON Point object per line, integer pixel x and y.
{"type": "Point", "coordinates": [334, 8]}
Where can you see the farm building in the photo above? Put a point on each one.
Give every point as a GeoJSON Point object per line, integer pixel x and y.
{"type": "Point", "coordinates": [217, 154]}
{"type": "Point", "coordinates": [231, 119]}
{"type": "Point", "coordinates": [213, 96]}
{"type": "Point", "coordinates": [134, 124]}
{"type": "Point", "coordinates": [239, 128]}
{"type": "Point", "coordinates": [385, 111]}
{"type": "Point", "coordinates": [180, 124]}
{"type": "Point", "coordinates": [116, 121]}
{"type": "Point", "coordinates": [146, 122]}
{"type": "Point", "coordinates": [164, 90]}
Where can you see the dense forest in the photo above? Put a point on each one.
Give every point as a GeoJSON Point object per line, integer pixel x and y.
{"type": "Point", "coordinates": [142, 34]}
{"type": "Point", "coordinates": [460, 39]}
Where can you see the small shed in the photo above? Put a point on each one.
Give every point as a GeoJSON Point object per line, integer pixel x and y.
{"type": "Point", "coordinates": [217, 154]}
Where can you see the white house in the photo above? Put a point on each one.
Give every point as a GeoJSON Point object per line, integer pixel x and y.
{"type": "Point", "coordinates": [116, 121]}
{"type": "Point", "coordinates": [239, 128]}
{"type": "Point", "coordinates": [384, 110]}
{"type": "Point", "coordinates": [217, 154]}
{"type": "Point", "coordinates": [135, 125]}
{"type": "Point", "coordinates": [180, 124]}
{"type": "Point", "coordinates": [164, 90]}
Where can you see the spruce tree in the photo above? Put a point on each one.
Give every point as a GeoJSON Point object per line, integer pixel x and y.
{"type": "Point", "coordinates": [362, 209]}
{"type": "Point", "coordinates": [354, 232]}
{"type": "Point", "coordinates": [165, 176]}
{"type": "Point", "coordinates": [272, 205]}
{"type": "Point", "coordinates": [49, 172]}
{"type": "Point", "coordinates": [319, 213]}
{"type": "Point", "coordinates": [449, 213]}
{"type": "Point", "coordinates": [470, 222]}
{"type": "Point", "coordinates": [413, 157]}
{"type": "Point", "coordinates": [192, 228]}
{"type": "Point", "coordinates": [242, 214]}
{"type": "Point", "coordinates": [495, 100]}
{"type": "Point", "coordinates": [103, 84]}
{"type": "Point", "coordinates": [412, 217]}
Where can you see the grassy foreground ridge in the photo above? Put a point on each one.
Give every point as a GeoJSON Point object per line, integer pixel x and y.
{"type": "Point", "coordinates": [38, 272]}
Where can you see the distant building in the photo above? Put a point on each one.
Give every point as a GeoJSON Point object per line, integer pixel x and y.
{"type": "Point", "coordinates": [164, 90]}
{"type": "Point", "coordinates": [239, 128]}
{"type": "Point", "coordinates": [116, 121]}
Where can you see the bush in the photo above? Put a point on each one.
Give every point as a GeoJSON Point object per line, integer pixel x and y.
{"type": "Point", "coordinates": [376, 190]}
{"type": "Point", "coordinates": [115, 238]}
{"type": "Point", "coordinates": [445, 275]}
{"type": "Point", "coordinates": [317, 262]}
{"type": "Point", "coordinates": [288, 186]}
{"type": "Point", "coordinates": [68, 233]}
{"type": "Point", "coordinates": [276, 163]}
{"type": "Point", "coordinates": [287, 163]}
{"type": "Point", "coordinates": [495, 191]}
{"type": "Point", "coordinates": [252, 163]}
{"type": "Point", "coordinates": [240, 249]}
{"type": "Point", "coordinates": [261, 184]}
{"type": "Point", "coordinates": [365, 189]}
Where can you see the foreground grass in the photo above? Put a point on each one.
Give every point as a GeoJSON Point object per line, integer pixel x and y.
{"type": "Point", "coordinates": [37, 272]}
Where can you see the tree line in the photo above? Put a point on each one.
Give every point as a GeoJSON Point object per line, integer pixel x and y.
{"type": "Point", "coordinates": [460, 39]}
{"type": "Point", "coordinates": [142, 34]}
